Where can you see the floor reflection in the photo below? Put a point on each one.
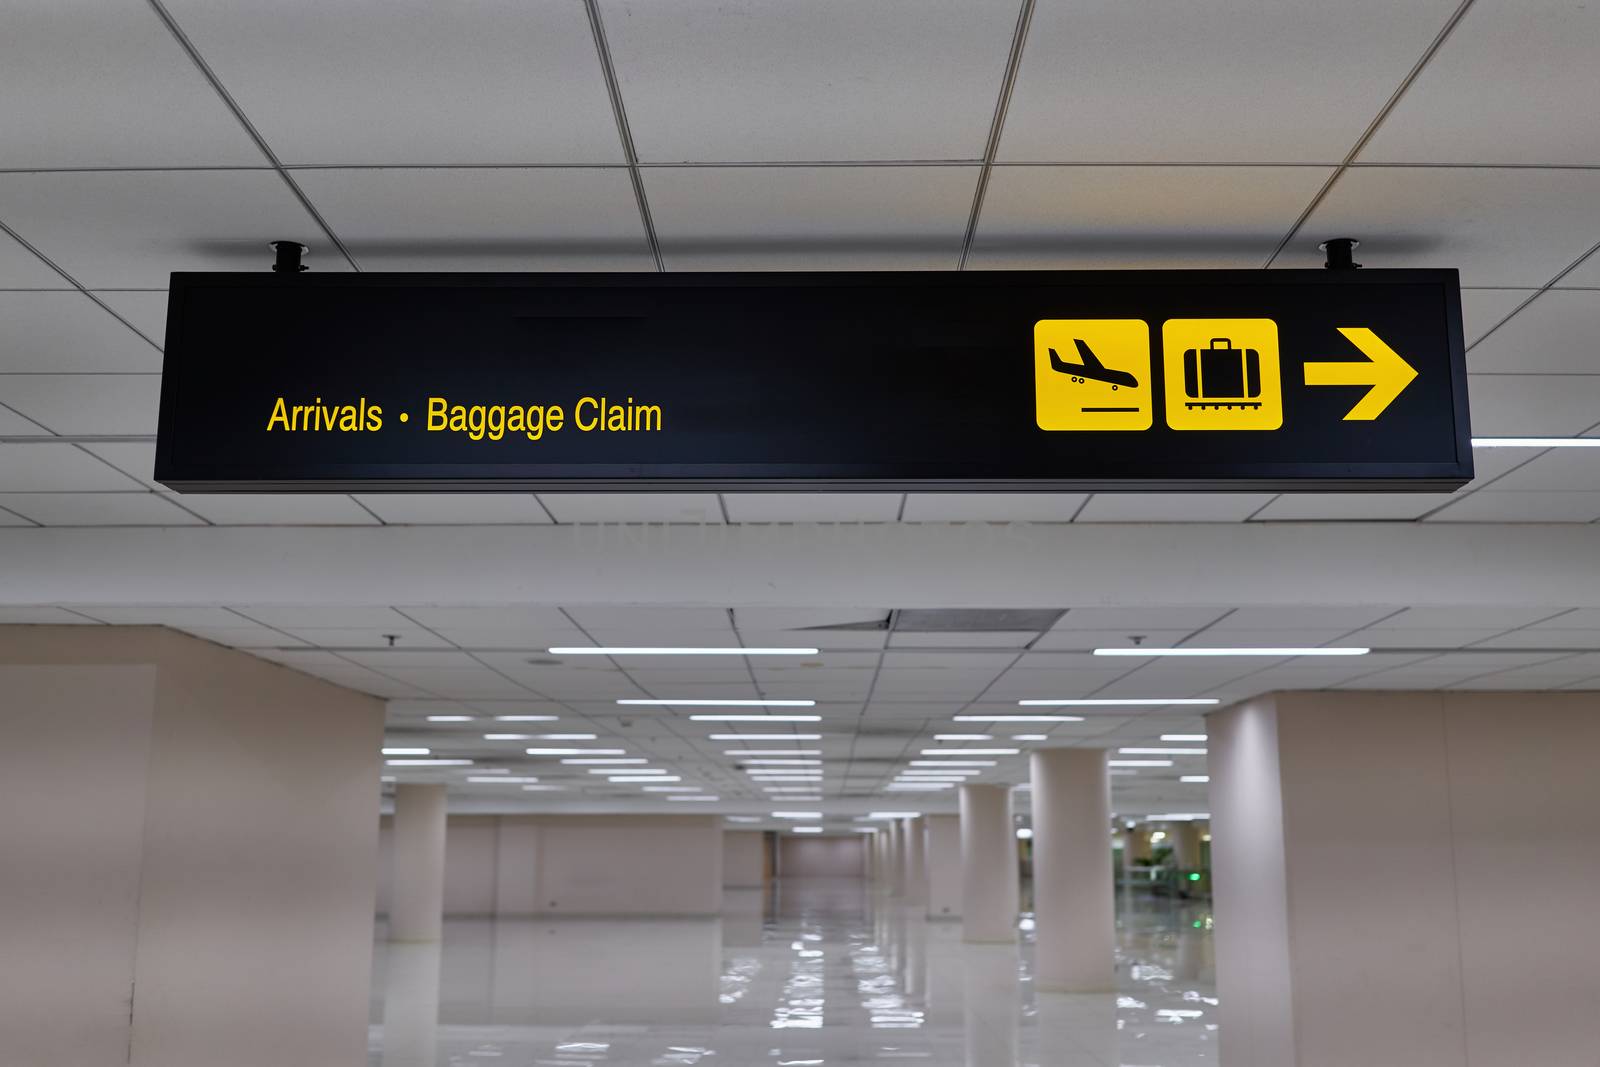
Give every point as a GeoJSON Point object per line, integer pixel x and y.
{"type": "Point", "coordinates": [804, 973]}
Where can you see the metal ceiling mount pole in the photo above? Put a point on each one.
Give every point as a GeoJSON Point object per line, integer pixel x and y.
{"type": "Point", "coordinates": [1341, 253]}
{"type": "Point", "coordinates": [288, 255]}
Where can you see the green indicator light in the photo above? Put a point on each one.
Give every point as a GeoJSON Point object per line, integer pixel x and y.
{"type": "Point", "coordinates": [1197, 924]}
{"type": "Point", "coordinates": [1195, 877]}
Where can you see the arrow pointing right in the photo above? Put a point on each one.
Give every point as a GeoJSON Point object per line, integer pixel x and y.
{"type": "Point", "coordinates": [1383, 370]}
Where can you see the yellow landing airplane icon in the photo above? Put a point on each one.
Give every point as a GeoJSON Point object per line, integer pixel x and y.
{"type": "Point", "coordinates": [1092, 374]}
{"type": "Point", "coordinates": [1383, 370]}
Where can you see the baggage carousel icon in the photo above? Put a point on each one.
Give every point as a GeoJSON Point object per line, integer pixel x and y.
{"type": "Point", "coordinates": [1221, 376]}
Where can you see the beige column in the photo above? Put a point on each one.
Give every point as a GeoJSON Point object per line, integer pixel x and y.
{"type": "Point", "coordinates": [190, 851]}
{"type": "Point", "coordinates": [416, 909]}
{"type": "Point", "coordinates": [943, 861]}
{"type": "Point", "coordinates": [1073, 892]}
{"type": "Point", "coordinates": [1184, 837]}
{"type": "Point", "coordinates": [916, 831]}
{"type": "Point", "coordinates": [1406, 878]}
{"type": "Point", "coordinates": [989, 896]}
{"type": "Point", "coordinates": [897, 858]}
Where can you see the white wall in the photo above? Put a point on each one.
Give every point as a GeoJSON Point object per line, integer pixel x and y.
{"type": "Point", "coordinates": [579, 864]}
{"type": "Point", "coordinates": [1412, 873]}
{"type": "Point", "coordinates": [198, 832]}
{"type": "Point", "coordinates": [821, 856]}
{"type": "Point", "coordinates": [743, 859]}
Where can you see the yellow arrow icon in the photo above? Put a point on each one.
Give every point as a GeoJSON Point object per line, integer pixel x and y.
{"type": "Point", "coordinates": [1383, 370]}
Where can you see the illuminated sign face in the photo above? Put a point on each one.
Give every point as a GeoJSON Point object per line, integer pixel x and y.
{"type": "Point", "coordinates": [1275, 380]}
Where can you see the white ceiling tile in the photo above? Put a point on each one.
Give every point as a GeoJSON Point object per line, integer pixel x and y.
{"type": "Point", "coordinates": [320, 616]}
{"type": "Point", "coordinates": [13, 424]}
{"type": "Point", "coordinates": [810, 218]}
{"type": "Point", "coordinates": [694, 508]}
{"type": "Point", "coordinates": [529, 619]}
{"type": "Point", "coordinates": [459, 219]}
{"type": "Point", "coordinates": [136, 459]}
{"type": "Point", "coordinates": [1257, 80]}
{"type": "Point", "coordinates": [243, 636]}
{"type": "Point", "coordinates": [97, 509]}
{"type": "Point", "coordinates": [1582, 618]}
{"type": "Point", "coordinates": [86, 403]}
{"type": "Point", "coordinates": [987, 639]}
{"type": "Point", "coordinates": [823, 639]}
{"type": "Point", "coordinates": [1498, 92]}
{"type": "Point", "coordinates": [1507, 227]}
{"type": "Point", "coordinates": [823, 80]}
{"type": "Point", "coordinates": [641, 617]}
{"type": "Point", "coordinates": [47, 467]}
{"type": "Point", "coordinates": [1556, 334]}
{"type": "Point", "coordinates": [812, 507]}
{"type": "Point", "coordinates": [1497, 617]}
{"type": "Point", "coordinates": [59, 330]}
{"type": "Point", "coordinates": [1547, 637]}
{"type": "Point", "coordinates": [102, 85]}
{"type": "Point", "coordinates": [992, 507]}
{"type": "Point", "coordinates": [1172, 507]}
{"type": "Point", "coordinates": [132, 229]}
{"type": "Point", "coordinates": [1303, 617]}
{"type": "Point", "coordinates": [1384, 637]}
{"type": "Point", "coordinates": [42, 616]}
{"type": "Point", "coordinates": [1084, 640]}
{"type": "Point", "coordinates": [144, 309]}
{"type": "Point", "coordinates": [1516, 405]}
{"type": "Point", "coordinates": [411, 81]}
{"type": "Point", "coordinates": [1350, 507]}
{"type": "Point", "coordinates": [184, 616]}
{"type": "Point", "coordinates": [1489, 505]}
{"type": "Point", "coordinates": [1557, 470]}
{"type": "Point", "coordinates": [406, 636]}
{"type": "Point", "coordinates": [1136, 620]}
{"type": "Point", "coordinates": [431, 509]}
{"type": "Point", "coordinates": [277, 509]}
{"type": "Point", "coordinates": [1483, 309]}
{"type": "Point", "coordinates": [21, 269]}
{"type": "Point", "coordinates": [1097, 217]}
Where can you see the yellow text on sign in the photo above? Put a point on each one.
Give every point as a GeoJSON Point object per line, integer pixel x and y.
{"type": "Point", "coordinates": [1092, 374]}
{"type": "Point", "coordinates": [1222, 374]}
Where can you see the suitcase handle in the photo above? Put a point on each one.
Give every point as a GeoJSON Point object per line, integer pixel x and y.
{"type": "Point", "coordinates": [1221, 342]}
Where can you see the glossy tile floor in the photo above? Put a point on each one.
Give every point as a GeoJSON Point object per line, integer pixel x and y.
{"type": "Point", "coordinates": [810, 973]}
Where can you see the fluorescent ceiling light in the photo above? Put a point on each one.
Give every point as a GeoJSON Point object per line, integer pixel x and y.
{"type": "Point", "coordinates": [450, 718]}
{"type": "Point", "coordinates": [1030, 737]}
{"type": "Point", "coordinates": [773, 752]}
{"type": "Point", "coordinates": [699, 797]}
{"type": "Point", "coordinates": [941, 772]}
{"type": "Point", "coordinates": [508, 737]}
{"type": "Point", "coordinates": [1195, 778]}
{"type": "Point", "coordinates": [579, 761]}
{"type": "Point", "coordinates": [892, 815]}
{"type": "Point", "coordinates": [954, 763]}
{"type": "Point", "coordinates": [1275, 652]}
{"type": "Point", "coordinates": [406, 751]}
{"type": "Point", "coordinates": [797, 815]}
{"type": "Point", "coordinates": [790, 788]}
{"type": "Point", "coordinates": [625, 770]}
{"type": "Point", "coordinates": [669, 789]}
{"type": "Point", "coordinates": [644, 778]}
{"type": "Point", "coordinates": [1162, 751]}
{"type": "Point", "coordinates": [1024, 833]}
{"type": "Point", "coordinates": [1179, 816]}
{"type": "Point", "coordinates": [543, 788]}
{"type": "Point", "coordinates": [1183, 737]}
{"type": "Point", "coordinates": [1017, 718]}
{"type": "Point", "coordinates": [911, 787]}
{"type": "Point", "coordinates": [1138, 763]}
{"type": "Point", "coordinates": [428, 762]}
{"type": "Point", "coordinates": [605, 650]}
{"type": "Point", "coordinates": [527, 718]}
{"type": "Point", "coordinates": [575, 751]}
{"type": "Point", "coordinates": [971, 751]}
{"type": "Point", "coordinates": [963, 737]}
{"type": "Point", "coordinates": [742, 818]}
{"type": "Point", "coordinates": [765, 737]}
{"type": "Point", "coordinates": [1536, 442]}
{"type": "Point", "coordinates": [815, 779]}
{"type": "Point", "coordinates": [499, 779]}
{"type": "Point", "coordinates": [1098, 702]}
{"type": "Point", "coordinates": [725, 703]}
{"type": "Point", "coordinates": [756, 718]}
{"type": "Point", "coordinates": [781, 762]}
{"type": "Point", "coordinates": [806, 829]}
{"type": "Point", "coordinates": [865, 829]}
{"type": "Point", "coordinates": [566, 737]}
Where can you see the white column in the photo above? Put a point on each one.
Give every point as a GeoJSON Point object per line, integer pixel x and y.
{"type": "Point", "coordinates": [416, 909]}
{"type": "Point", "coordinates": [916, 831]}
{"type": "Point", "coordinates": [943, 860]}
{"type": "Point", "coordinates": [1073, 892]}
{"type": "Point", "coordinates": [988, 864]}
{"type": "Point", "coordinates": [1397, 876]}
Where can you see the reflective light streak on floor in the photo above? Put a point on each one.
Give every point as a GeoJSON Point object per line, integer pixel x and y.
{"type": "Point", "coordinates": [811, 974]}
